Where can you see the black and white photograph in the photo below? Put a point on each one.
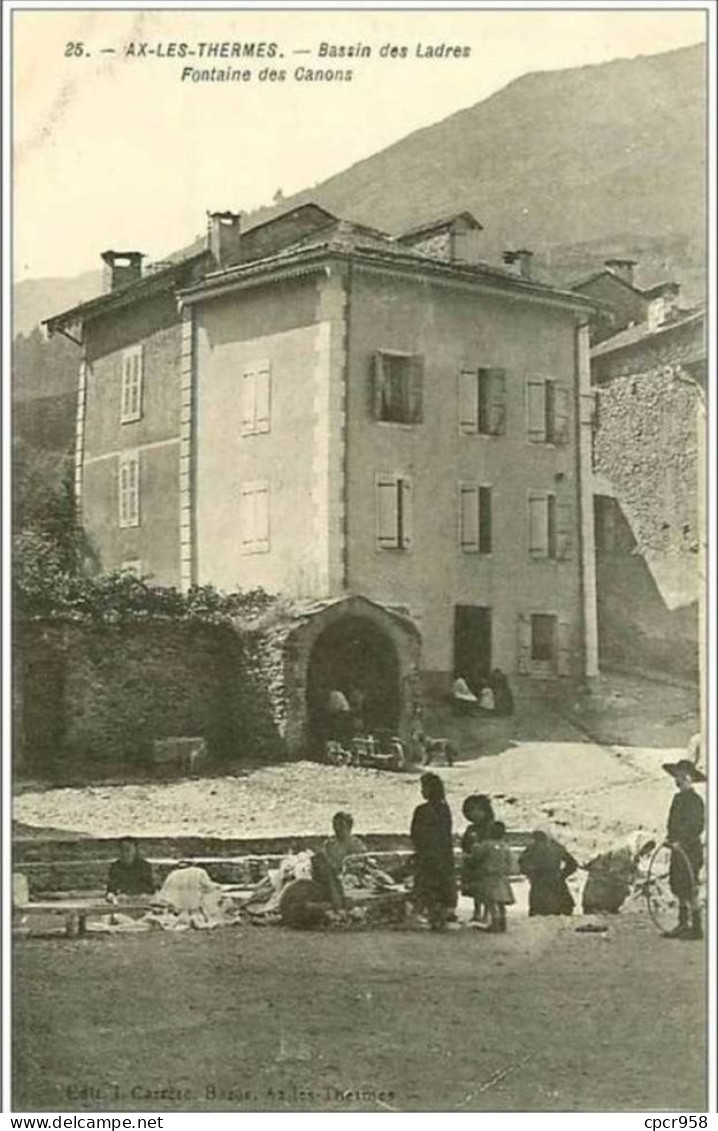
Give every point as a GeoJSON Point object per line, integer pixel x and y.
{"type": "Point", "coordinates": [358, 642]}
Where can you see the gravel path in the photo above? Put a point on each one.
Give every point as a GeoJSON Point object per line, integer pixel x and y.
{"type": "Point", "coordinates": [586, 794]}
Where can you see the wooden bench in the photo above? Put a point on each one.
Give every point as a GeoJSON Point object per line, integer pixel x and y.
{"type": "Point", "coordinates": [76, 911]}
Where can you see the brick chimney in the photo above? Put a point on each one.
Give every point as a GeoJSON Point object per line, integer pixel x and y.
{"type": "Point", "coordinates": [622, 269]}
{"type": "Point", "coordinates": [519, 261]}
{"type": "Point", "coordinates": [120, 269]}
{"type": "Point", "coordinates": [223, 233]}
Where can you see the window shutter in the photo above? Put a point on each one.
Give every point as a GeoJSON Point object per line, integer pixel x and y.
{"type": "Point", "coordinates": [377, 387]}
{"type": "Point", "coordinates": [563, 648]}
{"type": "Point", "coordinates": [407, 513]}
{"type": "Point", "coordinates": [538, 524]}
{"type": "Point", "coordinates": [248, 402]}
{"type": "Point", "coordinates": [134, 469]}
{"type": "Point", "coordinates": [247, 518]}
{"type": "Point", "coordinates": [523, 658]}
{"type": "Point", "coordinates": [416, 389]}
{"type": "Point", "coordinates": [561, 414]}
{"type": "Point", "coordinates": [123, 493]}
{"type": "Point", "coordinates": [468, 401]}
{"type": "Point", "coordinates": [261, 518]}
{"type": "Point", "coordinates": [262, 399]}
{"type": "Point", "coordinates": [386, 505]}
{"type": "Point", "coordinates": [129, 491]}
{"type": "Point", "coordinates": [536, 410]}
{"type": "Point", "coordinates": [497, 407]}
{"type": "Point", "coordinates": [469, 517]}
{"type": "Point", "coordinates": [485, 520]}
{"type": "Point", "coordinates": [564, 529]}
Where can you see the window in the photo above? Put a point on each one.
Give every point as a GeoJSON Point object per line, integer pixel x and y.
{"type": "Point", "coordinates": [482, 401]}
{"type": "Point", "coordinates": [550, 526]}
{"type": "Point", "coordinates": [398, 387]}
{"type": "Point", "coordinates": [393, 512]}
{"type": "Point", "coordinates": [474, 518]}
{"type": "Point", "coordinates": [129, 489]}
{"type": "Point", "coordinates": [132, 372]}
{"type": "Point", "coordinates": [255, 518]}
{"type": "Point", "coordinates": [256, 399]}
{"type": "Point", "coordinates": [548, 411]}
{"type": "Point", "coordinates": [544, 645]}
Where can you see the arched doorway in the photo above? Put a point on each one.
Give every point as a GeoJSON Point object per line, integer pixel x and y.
{"type": "Point", "coordinates": [354, 655]}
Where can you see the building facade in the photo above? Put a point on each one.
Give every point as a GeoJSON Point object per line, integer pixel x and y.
{"type": "Point", "coordinates": [323, 410]}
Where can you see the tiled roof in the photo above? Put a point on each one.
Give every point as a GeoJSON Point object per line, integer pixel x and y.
{"type": "Point", "coordinates": [636, 335]}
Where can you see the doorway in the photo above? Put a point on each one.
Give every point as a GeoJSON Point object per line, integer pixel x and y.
{"type": "Point", "coordinates": [472, 644]}
{"type": "Point", "coordinates": [355, 657]}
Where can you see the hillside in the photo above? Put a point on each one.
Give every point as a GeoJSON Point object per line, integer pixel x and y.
{"type": "Point", "coordinates": [575, 164]}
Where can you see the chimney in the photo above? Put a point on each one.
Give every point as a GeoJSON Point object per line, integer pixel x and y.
{"type": "Point", "coordinates": [519, 261]}
{"type": "Point", "coordinates": [622, 269]}
{"type": "Point", "coordinates": [120, 269]}
{"type": "Point", "coordinates": [223, 236]}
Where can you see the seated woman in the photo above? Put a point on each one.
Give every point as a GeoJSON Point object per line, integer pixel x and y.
{"type": "Point", "coordinates": [547, 864]}
{"type": "Point", "coordinates": [306, 903]}
{"type": "Point", "coordinates": [463, 697]}
{"type": "Point", "coordinates": [343, 843]}
{"type": "Point", "coordinates": [131, 874]}
{"type": "Point", "coordinates": [612, 874]}
{"type": "Point", "coordinates": [503, 698]}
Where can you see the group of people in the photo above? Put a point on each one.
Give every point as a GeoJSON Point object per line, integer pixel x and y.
{"type": "Point", "coordinates": [311, 887]}
{"type": "Point", "coordinates": [487, 863]}
{"type": "Point", "coordinates": [492, 696]}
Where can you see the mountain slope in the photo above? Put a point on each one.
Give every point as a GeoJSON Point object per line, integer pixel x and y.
{"type": "Point", "coordinates": [576, 164]}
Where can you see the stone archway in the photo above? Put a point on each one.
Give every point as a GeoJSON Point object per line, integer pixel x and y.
{"type": "Point", "coordinates": [351, 642]}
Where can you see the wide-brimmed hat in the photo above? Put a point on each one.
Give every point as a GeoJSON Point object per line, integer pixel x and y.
{"type": "Point", "coordinates": [683, 766]}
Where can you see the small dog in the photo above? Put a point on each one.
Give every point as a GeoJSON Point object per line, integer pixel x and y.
{"type": "Point", "coordinates": [436, 747]}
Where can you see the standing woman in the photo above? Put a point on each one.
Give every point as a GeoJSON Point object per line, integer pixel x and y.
{"type": "Point", "coordinates": [434, 880]}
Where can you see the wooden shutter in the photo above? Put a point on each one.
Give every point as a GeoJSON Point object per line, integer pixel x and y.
{"type": "Point", "coordinates": [561, 410]}
{"type": "Point", "coordinates": [536, 410]}
{"type": "Point", "coordinates": [132, 368]}
{"type": "Point", "coordinates": [469, 517]}
{"type": "Point", "coordinates": [386, 508]}
{"type": "Point", "coordinates": [248, 402]}
{"type": "Point", "coordinates": [469, 401]}
{"type": "Point", "coordinates": [406, 503]}
{"type": "Point", "coordinates": [564, 529]}
{"type": "Point", "coordinates": [377, 389]}
{"type": "Point", "coordinates": [262, 395]}
{"type": "Point", "coordinates": [497, 403]}
{"type": "Point", "coordinates": [538, 524]}
{"type": "Point", "coordinates": [416, 389]}
{"type": "Point", "coordinates": [563, 648]}
{"type": "Point", "coordinates": [485, 520]}
{"type": "Point", "coordinates": [523, 651]}
{"type": "Point", "coordinates": [261, 518]}
{"type": "Point", "coordinates": [247, 517]}
{"type": "Point", "coordinates": [129, 491]}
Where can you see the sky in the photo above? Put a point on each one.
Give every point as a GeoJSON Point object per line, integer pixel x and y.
{"type": "Point", "coordinates": [113, 150]}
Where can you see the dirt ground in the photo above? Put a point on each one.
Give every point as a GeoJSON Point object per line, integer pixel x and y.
{"type": "Point", "coordinates": [539, 1019]}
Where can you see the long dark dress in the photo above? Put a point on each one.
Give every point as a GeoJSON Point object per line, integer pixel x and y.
{"type": "Point", "coordinates": [130, 879]}
{"type": "Point", "coordinates": [471, 868]}
{"type": "Point", "coordinates": [686, 821]}
{"type": "Point", "coordinates": [547, 864]}
{"type": "Point", "coordinates": [434, 879]}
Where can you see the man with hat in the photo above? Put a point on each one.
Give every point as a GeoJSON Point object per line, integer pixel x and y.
{"type": "Point", "coordinates": [686, 821]}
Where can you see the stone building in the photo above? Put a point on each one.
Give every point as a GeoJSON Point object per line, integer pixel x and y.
{"type": "Point", "coordinates": [650, 381]}
{"type": "Point", "coordinates": [329, 412]}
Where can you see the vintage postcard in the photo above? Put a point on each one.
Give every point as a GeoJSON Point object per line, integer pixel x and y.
{"type": "Point", "coordinates": [357, 426]}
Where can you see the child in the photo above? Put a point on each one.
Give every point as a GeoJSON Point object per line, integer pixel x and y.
{"type": "Point", "coordinates": [496, 867]}
{"type": "Point", "coordinates": [480, 815]}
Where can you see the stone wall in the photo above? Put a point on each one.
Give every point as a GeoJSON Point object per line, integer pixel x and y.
{"type": "Point", "coordinates": [646, 454]}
